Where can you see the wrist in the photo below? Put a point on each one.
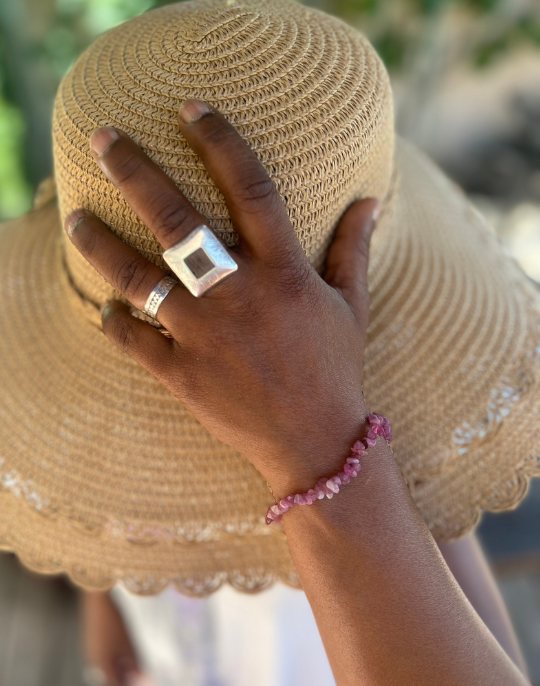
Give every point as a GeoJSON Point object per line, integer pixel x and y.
{"type": "Point", "coordinates": [296, 468]}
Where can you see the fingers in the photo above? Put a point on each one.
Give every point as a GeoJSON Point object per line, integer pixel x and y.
{"type": "Point", "coordinates": [123, 267]}
{"type": "Point", "coordinates": [348, 257]}
{"type": "Point", "coordinates": [153, 196]}
{"type": "Point", "coordinates": [146, 188]}
{"type": "Point", "coordinates": [139, 340]}
{"type": "Point", "coordinates": [254, 203]}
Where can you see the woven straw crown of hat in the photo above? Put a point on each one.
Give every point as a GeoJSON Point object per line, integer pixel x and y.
{"type": "Point", "coordinates": [307, 92]}
{"type": "Point", "coordinates": [104, 474]}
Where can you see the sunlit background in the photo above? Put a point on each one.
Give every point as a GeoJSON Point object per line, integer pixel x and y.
{"type": "Point", "coordinates": [466, 79]}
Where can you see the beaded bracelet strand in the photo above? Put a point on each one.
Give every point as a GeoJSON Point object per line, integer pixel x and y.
{"type": "Point", "coordinates": [379, 426]}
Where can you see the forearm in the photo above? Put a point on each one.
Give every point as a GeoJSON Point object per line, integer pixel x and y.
{"type": "Point", "coordinates": [388, 609]}
{"type": "Point", "coordinates": [468, 565]}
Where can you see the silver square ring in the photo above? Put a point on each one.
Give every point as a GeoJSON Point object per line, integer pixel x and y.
{"type": "Point", "coordinates": [200, 260]}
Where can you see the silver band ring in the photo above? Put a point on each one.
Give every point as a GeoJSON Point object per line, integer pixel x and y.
{"type": "Point", "coordinates": [200, 260]}
{"type": "Point", "coordinates": [158, 295]}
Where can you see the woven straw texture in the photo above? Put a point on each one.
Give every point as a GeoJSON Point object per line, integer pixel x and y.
{"type": "Point", "coordinates": [103, 474]}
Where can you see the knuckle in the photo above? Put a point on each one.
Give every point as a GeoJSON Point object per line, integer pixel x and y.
{"type": "Point", "coordinates": [124, 337]}
{"type": "Point", "coordinates": [216, 131]}
{"type": "Point", "coordinates": [293, 275]}
{"type": "Point", "coordinates": [125, 167]}
{"type": "Point", "coordinates": [120, 331]}
{"type": "Point", "coordinates": [347, 285]}
{"type": "Point", "coordinates": [257, 191]}
{"type": "Point", "coordinates": [350, 277]}
{"type": "Point", "coordinates": [245, 306]}
{"type": "Point", "coordinates": [170, 216]}
{"type": "Point", "coordinates": [129, 275]}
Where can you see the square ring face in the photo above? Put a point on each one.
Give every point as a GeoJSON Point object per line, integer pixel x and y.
{"type": "Point", "coordinates": [200, 260]}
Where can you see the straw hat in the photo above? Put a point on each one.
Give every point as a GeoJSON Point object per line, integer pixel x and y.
{"type": "Point", "coordinates": [104, 474]}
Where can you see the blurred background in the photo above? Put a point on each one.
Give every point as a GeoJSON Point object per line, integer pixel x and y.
{"type": "Point", "coordinates": [466, 78]}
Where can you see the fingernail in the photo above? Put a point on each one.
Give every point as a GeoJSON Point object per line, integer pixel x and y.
{"type": "Point", "coordinates": [73, 220]}
{"type": "Point", "coordinates": [376, 213]}
{"type": "Point", "coordinates": [193, 110]}
{"type": "Point", "coordinates": [107, 309]}
{"type": "Point", "coordinates": [102, 139]}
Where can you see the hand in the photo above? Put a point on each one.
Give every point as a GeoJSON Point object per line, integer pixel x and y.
{"type": "Point", "coordinates": [270, 359]}
{"type": "Point", "coordinates": [107, 645]}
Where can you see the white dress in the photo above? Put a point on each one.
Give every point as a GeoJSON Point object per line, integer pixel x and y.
{"type": "Point", "coordinates": [227, 639]}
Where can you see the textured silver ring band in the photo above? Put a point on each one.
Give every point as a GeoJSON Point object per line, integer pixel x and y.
{"type": "Point", "coordinates": [158, 295]}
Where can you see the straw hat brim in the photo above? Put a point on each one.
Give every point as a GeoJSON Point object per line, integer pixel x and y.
{"type": "Point", "coordinates": [104, 475]}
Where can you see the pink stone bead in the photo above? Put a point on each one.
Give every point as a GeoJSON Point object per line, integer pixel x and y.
{"type": "Point", "coordinates": [379, 426]}
{"type": "Point", "coordinates": [332, 485]}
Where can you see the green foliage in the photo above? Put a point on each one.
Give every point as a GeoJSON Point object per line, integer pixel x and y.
{"type": "Point", "coordinates": [391, 46]}
{"type": "Point", "coordinates": [15, 194]}
{"type": "Point", "coordinates": [397, 28]}
{"type": "Point", "coordinates": [79, 22]}
{"type": "Point", "coordinates": [525, 30]}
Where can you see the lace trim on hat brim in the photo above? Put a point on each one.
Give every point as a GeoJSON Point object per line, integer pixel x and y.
{"type": "Point", "coordinates": [246, 581]}
{"type": "Point", "coordinates": [517, 394]}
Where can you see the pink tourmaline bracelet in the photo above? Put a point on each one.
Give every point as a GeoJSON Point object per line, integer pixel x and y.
{"type": "Point", "coordinates": [379, 426]}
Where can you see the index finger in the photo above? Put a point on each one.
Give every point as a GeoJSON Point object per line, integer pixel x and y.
{"type": "Point", "coordinates": [254, 203]}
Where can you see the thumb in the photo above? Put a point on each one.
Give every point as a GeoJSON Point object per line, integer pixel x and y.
{"type": "Point", "coordinates": [348, 257]}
